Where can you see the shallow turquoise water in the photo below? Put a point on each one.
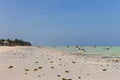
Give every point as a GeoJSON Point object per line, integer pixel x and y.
{"type": "Point", "coordinates": [102, 50]}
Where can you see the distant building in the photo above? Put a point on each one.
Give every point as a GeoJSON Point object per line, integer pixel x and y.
{"type": "Point", "coordinates": [5, 43]}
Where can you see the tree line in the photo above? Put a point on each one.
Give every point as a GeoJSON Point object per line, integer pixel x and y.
{"type": "Point", "coordinates": [15, 42]}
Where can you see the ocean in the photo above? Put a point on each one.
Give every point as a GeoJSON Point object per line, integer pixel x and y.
{"type": "Point", "coordinates": [99, 50]}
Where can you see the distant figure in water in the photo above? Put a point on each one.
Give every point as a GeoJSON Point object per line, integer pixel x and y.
{"type": "Point", "coordinates": [79, 48]}
{"type": "Point", "coordinates": [82, 49]}
{"type": "Point", "coordinates": [94, 46]}
{"type": "Point", "coordinates": [106, 48]}
{"type": "Point", "coordinates": [67, 46]}
{"type": "Point", "coordinates": [76, 46]}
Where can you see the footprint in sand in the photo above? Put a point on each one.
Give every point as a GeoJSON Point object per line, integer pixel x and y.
{"type": "Point", "coordinates": [52, 67]}
{"type": "Point", "coordinates": [66, 71]}
{"type": "Point", "coordinates": [79, 77]}
{"type": "Point", "coordinates": [25, 73]}
{"type": "Point", "coordinates": [10, 67]}
{"type": "Point", "coordinates": [73, 62]}
{"type": "Point", "coordinates": [35, 69]}
{"type": "Point", "coordinates": [60, 59]}
{"type": "Point", "coordinates": [51, 62]}
{"type": "Point", "coordinates": [58, 75]}
{"type": "Point", "coordinates": [26, 69]}
{"type": "Point", "coordinates": [39, 75]}
{"type": "Point", "coordinates": [36, 62]}
{"type": "Point", "coordinates": [104, 69]}
{"type": "Point", "coordinates": [39, 67]}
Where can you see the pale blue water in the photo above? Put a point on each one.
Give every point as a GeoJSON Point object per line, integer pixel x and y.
{"type": "Point", "coordinates": [101, 50]}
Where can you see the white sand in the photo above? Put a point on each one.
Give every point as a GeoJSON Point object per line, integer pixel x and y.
{"type": "Point", "coordinates": [34, 63]}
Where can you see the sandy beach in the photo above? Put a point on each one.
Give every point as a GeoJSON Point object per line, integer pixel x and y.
{"type": "Point", "coordinates": [42, 63]}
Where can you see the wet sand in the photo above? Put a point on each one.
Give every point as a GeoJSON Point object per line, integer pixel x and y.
{"type": "Point", "coordinates": [41, 63]}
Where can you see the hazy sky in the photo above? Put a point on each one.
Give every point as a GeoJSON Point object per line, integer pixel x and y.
{"type": "Point", "coordinates": [61, 22]}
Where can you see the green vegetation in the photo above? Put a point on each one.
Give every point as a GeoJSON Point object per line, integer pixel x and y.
{"type": "Point", "coordinates": [15, 42]}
